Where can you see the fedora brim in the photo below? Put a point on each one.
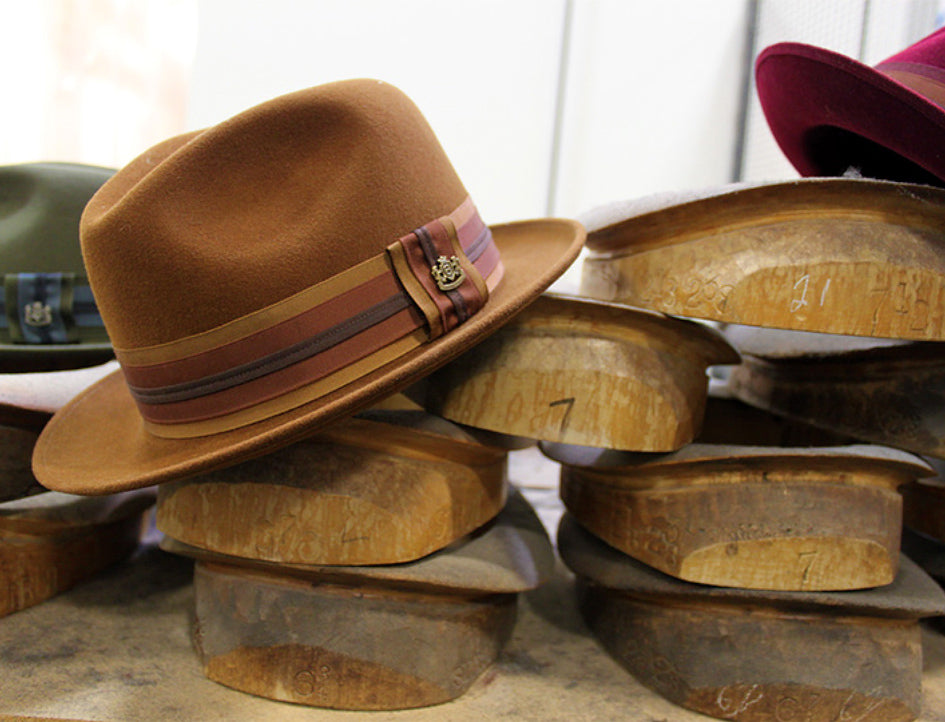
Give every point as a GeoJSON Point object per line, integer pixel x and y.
{"type": "Point", "coordinates": [829, 113]}
{"type": "Point", "coordinates": [97, 444]}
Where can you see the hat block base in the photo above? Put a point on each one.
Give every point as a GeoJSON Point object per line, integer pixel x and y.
{"type": "Point", "coordinates": [577, 372]}
{"type": "Point", "coordinates": [760, 519]}
{"type": "Point", "coordinates": [844, 257]}
{"type": "Point", "coordinates": [43, 553]}
{"type": "Point", "coordinates": [757, 664]}
{"type": "Point", "coordinates": [320, 502]}
{"type": "Point", "coordinates": [343, 647]}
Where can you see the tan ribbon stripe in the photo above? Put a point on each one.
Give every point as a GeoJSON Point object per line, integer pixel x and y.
{"type": "Point", "coordinates": [495, 277]}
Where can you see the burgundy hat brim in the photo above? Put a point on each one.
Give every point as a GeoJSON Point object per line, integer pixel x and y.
{"type": "Point", "coordinates": [887, 130]}
{"type": "Point", "coordinates": [97, 443]}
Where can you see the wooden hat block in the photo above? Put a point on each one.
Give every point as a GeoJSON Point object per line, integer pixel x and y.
{"type": "Point", "coordinates": [49, 542]}
{"type": "Point", "coordinates": [844, 256]}
{"type": "Point", "coordinates": [578, 371]}
{"type": "Point", "coordinates": [758, 656]}
{"type": "Point", "coordinates": [372, 637]}
{"type": "Point", "coordinates": [791, 519]}
{"type": "Point", "coordinates": [27, 401]}
{"type": "Point", "coordinates": [387, 487]}
{"type": "Point", "coordinates": [888, 393]}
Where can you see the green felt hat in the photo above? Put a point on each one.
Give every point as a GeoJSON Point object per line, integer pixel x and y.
{"type": "Point", "coordinates": [48, 318]}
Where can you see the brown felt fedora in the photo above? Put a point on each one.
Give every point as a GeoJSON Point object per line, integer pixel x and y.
{"type": "Point", "coordinates": [278, 271]}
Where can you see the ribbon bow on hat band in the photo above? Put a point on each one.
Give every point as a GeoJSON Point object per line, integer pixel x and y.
{"type": "Point", "coordinates": [312, 343]}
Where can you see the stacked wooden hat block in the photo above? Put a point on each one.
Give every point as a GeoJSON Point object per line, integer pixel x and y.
{"type": "Point", "coordinates": [781, 256]}
{"type": "Point", "coordinates": [753, 654]}
{"type": "Point", "coordinates": [373, 566]}
{"type": "Point", "coordinates": [759, 513]}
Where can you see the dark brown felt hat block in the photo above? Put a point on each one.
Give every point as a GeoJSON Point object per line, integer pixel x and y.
{"type": "Point", "coordinates": [832, 255]}
{"type": "Point", "coordinates": [50, 542]}
{"type": "Point", "coordinates": [887, 393]}
{"type": "Point", "coordinates": [384, 489]}
{"type": "Point", "coordinates": [576, 371]}
{"type": "Point", "coordinates": [729, 420]}
{"type": "Point", "coordinates": [16, 450]}
{"type": "Point", "coordinates": [757, 656]}
{"type": "Point", "coordinates": [746, 516]}
{"type": "Point", "coordinates": [367, 638]}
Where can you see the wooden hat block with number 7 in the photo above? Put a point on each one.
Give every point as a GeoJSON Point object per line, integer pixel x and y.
{"type": "Point", "coordinates": [577, 371]}
{"type": "Point", "coordinates": [758, 656]}
{"type": "Point", "coordinates": [382, 488]}
{"type": "Point", "coordinates": [793, 519]}
{"type": "Point", "coordinates": [367, 637]}
{"type": "Point", "coordinates": [843, 256]}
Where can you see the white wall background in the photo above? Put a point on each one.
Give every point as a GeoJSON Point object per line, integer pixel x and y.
{"type": "Point", "coordinates": [868, 30]}
{"type": "Point", "coordinates": [576, 102]}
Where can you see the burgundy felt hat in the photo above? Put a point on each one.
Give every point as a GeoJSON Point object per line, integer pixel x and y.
{"type": "Point", "coordinates": [830, 113]}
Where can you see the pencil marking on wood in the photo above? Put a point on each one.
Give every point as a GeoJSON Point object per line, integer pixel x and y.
{"type": "Point", "coordinates": [567, 412]}
{"type": "Point", "coordinates": [798, 303]}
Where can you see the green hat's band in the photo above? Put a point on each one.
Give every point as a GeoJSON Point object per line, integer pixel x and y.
{"type": "Point", "coordinates": [48, 309]}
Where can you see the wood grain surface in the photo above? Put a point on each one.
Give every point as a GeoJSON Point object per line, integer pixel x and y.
{"type": "Point", "coordinates": [752, 517]}
{"type": "Point", "coordinates": [842, 256]}
{"type": "Point", "coordinates": [757, 656]}
{"type": "Point", "coordinates": [890, 395]}
{"type": "Point", "coordinates": [366, 492]}
{"type": "Point", "coordinates": [51, 542]}
{"type": "Point", "coordinates": [576, 371]}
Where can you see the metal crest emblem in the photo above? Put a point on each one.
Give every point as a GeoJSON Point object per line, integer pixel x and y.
{"type": "Point", "coordinates": [37, 314]}
{"type": "Point", "coordinates": [447, 273]}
